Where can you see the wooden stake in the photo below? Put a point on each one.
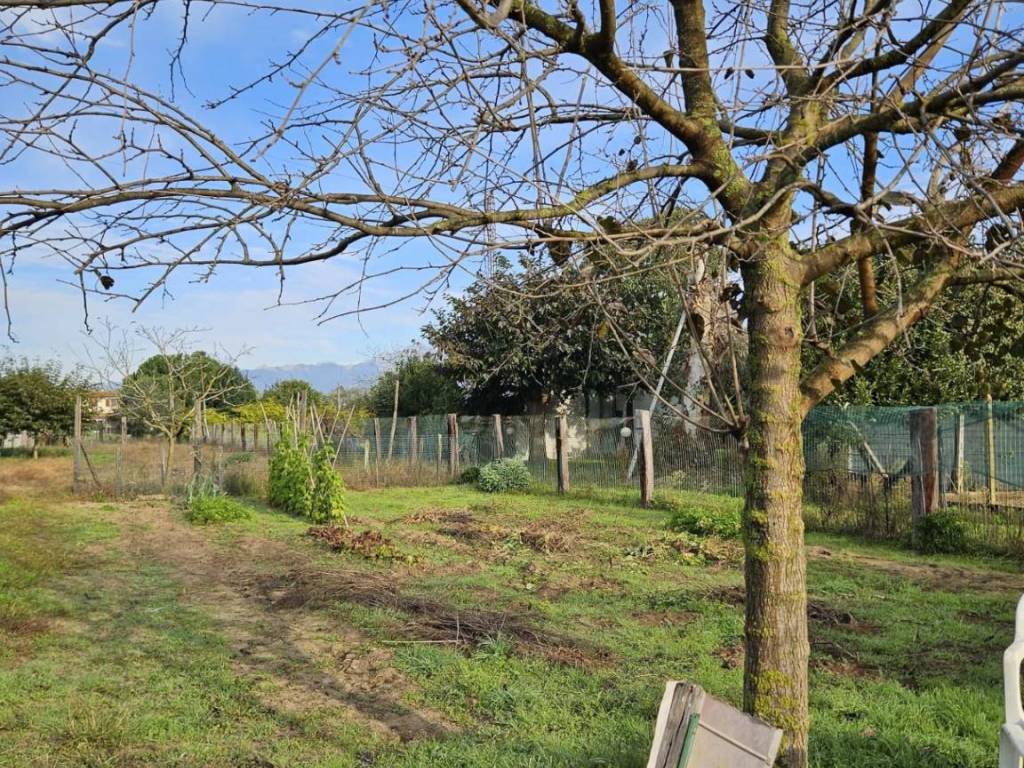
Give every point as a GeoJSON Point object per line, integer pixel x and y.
{"type": "Point", "coordinates": [958, 454]}
{"type": "Point", "coordinates": [77, 467]}
{"type": "Point", "coordinates": [197, 440]}
{"type": "Point", "coordinates": [562, 451]}
{"type": "Point", "coordinates": [453, 445]}
{"type": "Point", "coordinates": [924, 461]}
{"type": "Point", "coordinates": [643, 438]}
{"type": "Point", "coordinates": [394, 423]}
{"type": "Point", "coordinates": [122, 449]}
{"type": "Point", "coordinates": [414, 447]}
{"type": "Point", "coordinates": [499, 438]}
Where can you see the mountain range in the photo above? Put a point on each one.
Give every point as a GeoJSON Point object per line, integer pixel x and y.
{"type": "Point", "coordinates": [321, 376]}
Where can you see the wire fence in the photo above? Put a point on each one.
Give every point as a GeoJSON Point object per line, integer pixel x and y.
{"type": "Point", "coordinates": [866, 466]}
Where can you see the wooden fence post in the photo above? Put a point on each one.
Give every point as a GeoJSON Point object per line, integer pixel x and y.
{"type": "Point", "coordinates": [414, 445]}
{"type": "Point", "coordinates": [245, 442]}
{"type": "Point", "coordinates": [562, 451]}
{"type": "Point", "coordinates": [197, 439]}
{"type": "Point", "coordinates": [924, 462]}
{"type": "Point", "coordinates": [958, 454]}
{"type": "Point", "coordinates": [499, 438]}
{"type": "Point", "coordinates": [990, 450]}
{"type": "Point", "coordinates": [453, 445]}
{"type": "Point", "coordinates": [645, 442]}
{"type": "Point", "coordinates": [376, 440]}
{"type": "Point", "coordinates": [122, 449]}
{"type": "Point", "coordinates": [77, 466]}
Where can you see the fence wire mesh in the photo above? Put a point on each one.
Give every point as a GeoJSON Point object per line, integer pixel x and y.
{"type": "Point", "coordinates": [862, 462]}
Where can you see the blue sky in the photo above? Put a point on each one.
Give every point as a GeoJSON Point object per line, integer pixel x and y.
{"type": "Point", "coordinates": [237, 306]}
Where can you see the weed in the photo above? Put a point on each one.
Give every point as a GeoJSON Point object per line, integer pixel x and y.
{"type": "Point", "coordinates": [942, 532]}
{"type": "Point", "coordinates": [205, 503]}
{"type": "Point", "coordinates": [504, 475]}
{"type": "Point", "coordinates": [704, 519]}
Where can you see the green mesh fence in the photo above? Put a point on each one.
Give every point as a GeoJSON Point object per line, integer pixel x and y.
{"type": "Point", "coordinates": [861, 461]}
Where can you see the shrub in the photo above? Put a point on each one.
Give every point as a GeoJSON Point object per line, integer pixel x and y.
{"type": "Point", "coordinates": [942, 532]}
{"type": "Point", "coordinates": [290, 486]}
{"type": "Point", "coordinates": [327, 500]}
{"type": "Point", "coordinates": [470, 476]}
{"type": "Point", "coordinates": [504, 475]}
{"type": "Point", "coordinates": [205, 503]}
{"type": "Point", "coordinates": [720, 519]}
{"type": "Point", "coordinates": [305, 483]}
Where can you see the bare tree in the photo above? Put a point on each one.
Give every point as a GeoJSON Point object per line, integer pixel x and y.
{"type": "Point", "coordinates": [163, 379]}
{"type": "Point", "coordinates": [827, 147]}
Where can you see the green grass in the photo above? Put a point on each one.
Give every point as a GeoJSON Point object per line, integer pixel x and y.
{"type": "Point", "coordinates": [104, 662]}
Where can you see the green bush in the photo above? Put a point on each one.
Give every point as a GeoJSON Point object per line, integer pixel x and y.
{"type": "Point", "coordinates": [205, 503]}
{"type": "Point", "coordinates": [470, 476]}
{"type": "Point", "coordinates": [942, 532]}
{"type": "Point", "coordinates": [722, 518]}
{"type": "Point", "coordinates": [327, 501]}
{"type": "Point", "coordinates": [290, 486]}
{"type": "Point", "coordinates": [305, 483]}
{"type": "Point", "coordinates": [504, 475]}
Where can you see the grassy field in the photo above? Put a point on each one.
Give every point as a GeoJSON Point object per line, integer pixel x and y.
{"type": "Point", "coordinates": [521, 630]}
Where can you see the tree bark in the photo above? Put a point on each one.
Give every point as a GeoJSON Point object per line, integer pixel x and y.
{"type": "Point", "coordinates": [777, 650]}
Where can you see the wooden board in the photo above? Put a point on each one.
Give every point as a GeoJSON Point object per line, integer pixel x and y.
{"type": "Point", "coordinates": [695, 730]}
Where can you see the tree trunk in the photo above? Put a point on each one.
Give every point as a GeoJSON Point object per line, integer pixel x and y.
{"type": "Point", "coordinates": [536, 411]}
{"type": "Point", "coordinates": [777, 650]}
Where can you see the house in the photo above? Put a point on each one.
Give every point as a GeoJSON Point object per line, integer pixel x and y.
{"type": "Point", "coordinates": [106, 408]}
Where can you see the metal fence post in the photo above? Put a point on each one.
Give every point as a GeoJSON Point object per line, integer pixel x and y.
{"type": "Point", "coordinates": [645, 442]}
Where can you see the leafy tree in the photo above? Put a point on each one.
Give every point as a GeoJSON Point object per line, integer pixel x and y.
{"type": "Point", "coordinates": [424, 387]}
{"type": "Point", "coordinates": [163, 393]}
{"type": "Point", "coordinates": [970, 346]}
{"type": "Point", "coordinates": [288, 391]}
{"type": "Point", "coordinates": [198, 372]}
{"type": "Point", "coordinates": [39, 398]}
{"type": "Point", "coordinates": [522, 339]}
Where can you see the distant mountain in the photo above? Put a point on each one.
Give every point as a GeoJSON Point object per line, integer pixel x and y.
{"type": "Point", "coordinates": [322, 376]}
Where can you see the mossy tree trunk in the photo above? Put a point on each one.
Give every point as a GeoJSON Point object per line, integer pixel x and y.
{"type": "Point", "coordinates": [777, 650]}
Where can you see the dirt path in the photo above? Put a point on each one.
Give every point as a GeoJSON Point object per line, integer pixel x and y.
{"type": "Point", "coordinates": [951, 578]}
{"type": "Point", "coordinates": [307, 660]}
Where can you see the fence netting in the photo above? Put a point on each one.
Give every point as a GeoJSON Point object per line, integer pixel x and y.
{"type": "Point", "coordinates": [862, 462]}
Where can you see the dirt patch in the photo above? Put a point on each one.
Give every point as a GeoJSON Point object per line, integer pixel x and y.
{"type": "Point", "coordinates": [431, 620]}
{"type": "Point", "coordinates": [732, 655]}
{"type": "Point", "coordinates": [667, 618]}
{"type": "Point", "coordinates": [949, 578]}
{"type": "Point", "coordinates": [14, 625]}
{"type": "Point", "coordinates": [299, 660]}
{"type": "Point", "coordinates": [431, 515]}
{"type": "Point", "coordinates": [818, 612]}
{"type": "Point", "coordinates": [545, 542]}
{"type": "Point", "coordinates": [370, 544]}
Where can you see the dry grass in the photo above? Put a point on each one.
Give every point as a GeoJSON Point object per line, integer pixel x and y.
{"type": "Point", "coordinates": [44, 477]}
